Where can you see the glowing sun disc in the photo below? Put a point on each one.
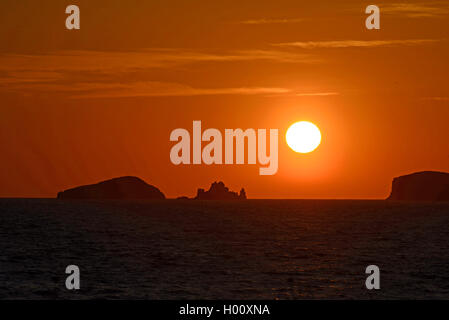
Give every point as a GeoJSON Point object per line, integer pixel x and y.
{"type": "Point", "coordinates": [303, 137]}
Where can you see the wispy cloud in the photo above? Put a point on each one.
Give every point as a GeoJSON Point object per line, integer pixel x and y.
{"type": "Point", "coordinates": [318, 94]}
{"type": "Point", "coordinates": [84, 74]}
{"type": "Point", "coordinates": [355, 43]}
{"type": "Point", "coordinates": [166, 89]}
{"type": "Point", "coordinates": [102, 89]}
{"type": "Point", "coordinates": [92, 89]}
{"type": "Point", "coordinates": [436, 98]}
{"type": "Point", "coordinates": [94, 74]}
{"type": "Point", "coordinates": [271, 21]}
{"type": "Point", "coordinates": [137, 60]}
{"type": "Point", "coordinates": [418, 10]}
{"type": "Point", "coordinates": [27, 76]}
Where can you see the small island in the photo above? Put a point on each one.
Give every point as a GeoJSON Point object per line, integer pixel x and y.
{"type": "Point", "coordinates": [134, 188]}
{"type": "Point", "coordinates": [217, 191]}
{"type": "Point", "coordinates": [421, 186]}
{"type": "Point", "coordinates": [117, 188]}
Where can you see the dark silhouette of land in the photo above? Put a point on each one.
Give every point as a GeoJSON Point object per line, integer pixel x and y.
{"type": "Point", "coordinates": [218, 191]}
{"type": "Point", "coordinates": [117, 188]}
{"type": "Point", "coordinates": [135, 188]}
{"type": "Point", "coordinates": [421, 186]}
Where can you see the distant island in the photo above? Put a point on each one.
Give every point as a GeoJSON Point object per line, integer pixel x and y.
{"type": "Point", "coordinates": [117, 188]}
{"type": "Point", "coordinates": [418, 186]}
{"type": "Point", "coordinates": [421, 186]}
{"type": "Point", "coordinates": [135, 188]}
{"type": "Point", "coordinates": [218, 191]}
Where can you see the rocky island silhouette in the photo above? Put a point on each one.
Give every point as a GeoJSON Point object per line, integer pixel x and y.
{"type": "Point", "coordinates": [130, 187]}
{"type": "Point", "coordinates": [218, 191]}
{"type": "Point", "coordinates": [421, 186]}
{"type": "Point", "coordinates": [118, 188]}
{"type": "Point", "coordinates": [418, 186]}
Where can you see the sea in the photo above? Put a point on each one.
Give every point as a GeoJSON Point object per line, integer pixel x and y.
{"type": "Point", "coordinates": [254, 249]}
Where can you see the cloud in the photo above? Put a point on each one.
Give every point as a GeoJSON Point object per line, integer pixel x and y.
{"type": "Point", "coordinates": [436, 98]}
{"type": "Point", "coordinates": [271, 21]}
{"type": "Point", "coordinates": [86, 90]}
{"type": "Point", "coordinates": [319, 94]}
{"type": "Point", "coordinates": [118, 74]}
{"type": "Point", "coordinates": [278, 56]}
{"type": "Point", "coordinates": [99, 61]}
{"type": "Point", "coordinates": [83, 90]}
{"type": "Point", "coordinates": [355, 43]}
{"type": "Point", "coordinates": [27, 76]}
{"type": "Point", "coordinates": [167, 89]}
{"type": "Point", "coordinates": [417, 10]}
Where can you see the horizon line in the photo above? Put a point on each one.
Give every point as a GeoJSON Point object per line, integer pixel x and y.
{"type": "Point", "coordinates": [137, 199]}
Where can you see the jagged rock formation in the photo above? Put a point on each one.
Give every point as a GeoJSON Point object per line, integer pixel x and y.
{"type": "Point", "coordinates": [421, 186]}
{"type": "Point", "coordinates": [117, 188]}
{"type": "Point", "coordinates": [218, 191]}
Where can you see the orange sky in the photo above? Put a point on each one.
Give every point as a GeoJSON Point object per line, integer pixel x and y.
{"type": "Point", "coordinates": [82, 106]}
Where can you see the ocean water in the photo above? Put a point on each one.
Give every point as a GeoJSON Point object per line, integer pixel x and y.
{"type": "Point", "coordinates": [255, 249]}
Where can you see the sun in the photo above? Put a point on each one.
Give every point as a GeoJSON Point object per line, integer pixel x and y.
{"type": "Point", "coordinates": [303, 137]}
